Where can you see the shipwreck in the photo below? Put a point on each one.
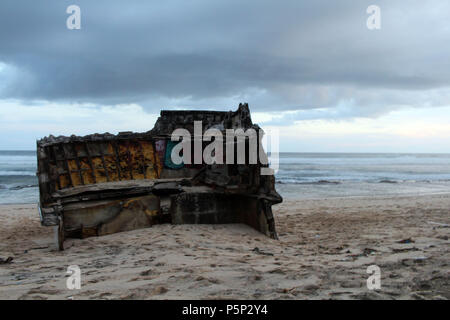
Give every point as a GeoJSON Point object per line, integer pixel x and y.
{"type": "Point", "coordinates": [103, 183]}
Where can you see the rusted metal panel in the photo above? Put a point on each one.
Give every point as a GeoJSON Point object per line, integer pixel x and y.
{"type": "Point", "coordinates": [96, 162]}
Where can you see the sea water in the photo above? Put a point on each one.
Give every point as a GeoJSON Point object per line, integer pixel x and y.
{"type": "Point", "coordinates": [18, 181]}
{"type": "Point", "coordinates": [300, 175]}
{"type": "Point", "coordinates": [322, 175]}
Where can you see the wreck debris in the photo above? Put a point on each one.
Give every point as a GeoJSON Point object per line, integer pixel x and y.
{"type": "Point", "coordinates": [102, 183]}
{"type": "Point", "coordinates": [6, 260]}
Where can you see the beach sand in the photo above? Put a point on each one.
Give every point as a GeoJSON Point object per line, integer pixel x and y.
{"type": "Point", "coordinates": [324, 250]}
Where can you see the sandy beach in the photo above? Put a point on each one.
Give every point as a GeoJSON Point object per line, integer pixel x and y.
{"type": "Point", "coordinates": [324, 250]}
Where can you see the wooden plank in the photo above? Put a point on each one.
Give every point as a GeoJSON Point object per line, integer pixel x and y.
{"type": "Point", "coordinates": [130, 167]}
{"type": "Point", "coordinates": [52, 154]}
{"type": "Point", "coordinates": [103, 162]}
{"type": "Point", "coordinates": [116, 152]}
{"type": "Point", "coordinates": [90, 162]}
{"type": "Point", "coordinates": [141, 149]}
{"type": "Point", "coordinates": [77, 161]}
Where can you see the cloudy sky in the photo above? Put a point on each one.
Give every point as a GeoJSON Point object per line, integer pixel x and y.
{"type": "Point", "coordinates": [311, 69]}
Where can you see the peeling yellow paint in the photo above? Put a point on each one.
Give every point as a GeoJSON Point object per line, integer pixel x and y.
{"type": "Point", "coordinates": [127, 160]}
{"type": "Point", "coordinates": [151, 213]}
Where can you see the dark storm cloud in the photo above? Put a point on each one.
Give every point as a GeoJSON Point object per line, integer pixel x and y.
{"type": "Point", "coordinates": [278, 55]}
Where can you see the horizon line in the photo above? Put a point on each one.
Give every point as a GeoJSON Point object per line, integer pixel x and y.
{"type": "Point", "coordinates": [298, 152]}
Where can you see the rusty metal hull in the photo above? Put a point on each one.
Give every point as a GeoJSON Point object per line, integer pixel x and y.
{"type": "Point", "coordinates": [102, 183]}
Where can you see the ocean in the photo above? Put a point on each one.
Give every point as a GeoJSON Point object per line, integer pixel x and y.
{"type": "Point", "coordinates": [300, 176]}
{"type": "Point", "coordinates": [324, 175]}
{"type": "Point", "coordinates": [18, 181]}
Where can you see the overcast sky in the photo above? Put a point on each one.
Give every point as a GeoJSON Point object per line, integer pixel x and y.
{"type": "Point", "coordinates": [311, 69]}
